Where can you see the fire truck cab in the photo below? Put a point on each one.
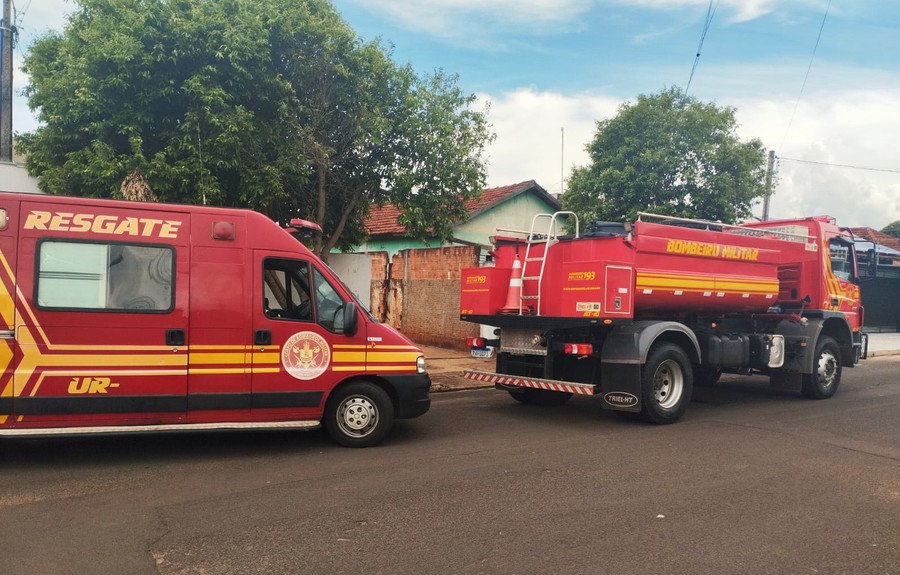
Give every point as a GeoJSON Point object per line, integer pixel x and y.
{"type": "Point", "coordinates": [125, 316]}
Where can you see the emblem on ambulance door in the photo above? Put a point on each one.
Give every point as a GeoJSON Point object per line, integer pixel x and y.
{"type": "Point", "coordinates": [305, 355]}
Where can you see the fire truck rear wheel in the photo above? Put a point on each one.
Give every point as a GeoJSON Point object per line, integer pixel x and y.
{"type": "Point", "coordinates": [359, 415]}
{"type": "Point", "coordinates": [541, 397]}
{"type": "Point", "coordinates": [666, 384]}
{"type": "Point", "coordinates": [823, 382]}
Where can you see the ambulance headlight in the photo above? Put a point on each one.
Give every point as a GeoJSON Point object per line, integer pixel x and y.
{"type": "Point", "coordinates": [420, 364]}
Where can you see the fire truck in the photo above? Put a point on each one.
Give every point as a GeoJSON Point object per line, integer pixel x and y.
{"type": "Point", "coordinates": [638, 313]}
{"type": "Point", "coordinates": [126, 317]}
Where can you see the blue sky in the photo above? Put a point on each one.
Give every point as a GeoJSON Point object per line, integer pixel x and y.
{"type": "Point", "coordinates": [551, 68]}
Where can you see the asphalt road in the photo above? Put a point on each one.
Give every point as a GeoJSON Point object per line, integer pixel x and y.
{"type": "Point", "coordinates": [752, 481]}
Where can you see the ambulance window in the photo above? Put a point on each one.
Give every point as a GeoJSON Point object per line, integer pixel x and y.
{"type": "Point", "coordinates": [329, 304]}
{"type": "Point", "coordinates": [104, 277]}
{"type": "Point", "coordinates": [286, 290]}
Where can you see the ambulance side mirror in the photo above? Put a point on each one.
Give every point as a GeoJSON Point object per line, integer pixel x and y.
{"type": "Point", "coordinates": [350, 318]}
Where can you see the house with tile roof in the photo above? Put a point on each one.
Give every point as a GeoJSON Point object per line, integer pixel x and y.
{"type": "Point", "coordinates": [511, 206]}
{"type": "Point", "coordinates": [871, 238]}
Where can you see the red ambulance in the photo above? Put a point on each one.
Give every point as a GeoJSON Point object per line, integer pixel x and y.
{"type": "Point", "coordinates": [125, 316]}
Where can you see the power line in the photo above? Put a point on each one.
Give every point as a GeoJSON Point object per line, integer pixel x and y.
{"type": "Point", "coordinates": [806, 77]}
{"type": "Point", "coordinates": [710, 12]}
{"type": "Point", "coordinates": [866, 168]}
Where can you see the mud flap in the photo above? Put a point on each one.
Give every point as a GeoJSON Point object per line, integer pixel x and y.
{"type": "Point", "coordinates": [621, 386]}
{"type": "Point", "coordinates": [624, 354]}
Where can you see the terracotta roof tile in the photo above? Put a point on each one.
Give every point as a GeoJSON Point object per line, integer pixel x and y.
{"type": "Point", "coordinates": [877, 237]}
{"type": "Point", "coordinates": [382, 221]}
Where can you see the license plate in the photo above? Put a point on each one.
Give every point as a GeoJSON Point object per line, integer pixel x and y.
{"type": "Point", "coordinates": [482, 352]}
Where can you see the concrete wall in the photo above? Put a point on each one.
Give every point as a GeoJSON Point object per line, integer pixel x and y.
{"type": "Point", "coordinates": [355, 270]}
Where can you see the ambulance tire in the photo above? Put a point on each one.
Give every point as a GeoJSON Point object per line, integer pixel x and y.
{"type": "Point", "coordinates": [823, 382]}
{"type": "Point", "coordinates": [541, 397]}
{"type": "Point", "coordinates": [667, 383]}
{"type": "Point", "coordinates": [359, 414]}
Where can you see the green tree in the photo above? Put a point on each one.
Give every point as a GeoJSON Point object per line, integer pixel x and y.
{"type": "Point", "coordinates": [275, 105]}
{"type": "Point", "coordinates": [672, 154]}
{"type": "Point", "coordinates": [892, 229]}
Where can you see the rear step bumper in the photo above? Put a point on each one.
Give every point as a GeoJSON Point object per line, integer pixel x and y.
{"type": "Point", "coordinates": [514, 381]}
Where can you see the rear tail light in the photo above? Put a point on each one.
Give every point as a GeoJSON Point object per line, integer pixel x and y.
{"type": "Point", "coordinates": [476, 342]}
{"type": "Point", "coordinates": [578, 349]}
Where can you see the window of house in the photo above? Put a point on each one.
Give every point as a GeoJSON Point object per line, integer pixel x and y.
{"type": "Point", "coordinates": [105, 277]}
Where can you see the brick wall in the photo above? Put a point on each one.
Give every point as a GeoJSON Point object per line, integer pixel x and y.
{"type": "Point", "coordinates": [377, 299]}
{"type": "Point", "coordinates": [420, 294]}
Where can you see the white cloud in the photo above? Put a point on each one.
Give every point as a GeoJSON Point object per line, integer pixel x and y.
{"type": "Point", "coordinates": [474, 21]}
{"type": "Point", "coordinates": [739, 10]}
{"type": "Point", "coordinates": [541, 133]}
{"type": "Point", "coordinates": [853, 127]}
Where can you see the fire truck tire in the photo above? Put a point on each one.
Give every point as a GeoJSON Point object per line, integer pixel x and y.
{"type": "Point", "coordinates": [359, 415]}
{"type": "Point", "coordinates": [666, 384]}
{"type": "Point", "coordinates": [823, 382]}
{"type": "Point", "coordinates": [540, 397]}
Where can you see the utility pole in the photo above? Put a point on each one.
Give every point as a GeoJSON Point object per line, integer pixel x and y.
{"type": "Point", "coordinates": [769, 168]}
{"type": "Point", "coordinates": [562, 153]}
{"type": "Point", "coordinates": [6, 79]}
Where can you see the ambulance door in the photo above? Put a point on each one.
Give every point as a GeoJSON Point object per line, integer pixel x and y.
{"type": "Point", "coordinates": [8, 219]}
{"type": "Point", "coordinates": [219, 364]}
{"type": "Point", "coordinates": [103, 325]}
{"type": "Point", "coordinates": [300, 350]}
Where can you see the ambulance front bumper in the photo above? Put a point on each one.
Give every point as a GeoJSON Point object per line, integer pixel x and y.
{"type": "Point", "coordinates": [411, 392]}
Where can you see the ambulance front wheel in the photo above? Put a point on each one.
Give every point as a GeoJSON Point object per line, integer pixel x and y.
{"type": "Point", "coordinates": [667, 383]}
{"type": "Point", "coordinates": [359, 415]}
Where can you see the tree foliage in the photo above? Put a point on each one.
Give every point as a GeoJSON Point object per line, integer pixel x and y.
{"type": "Point", "coordinates": [892, 229]}
{"type": "Point", "coordinates": [668, 153]}
{"type": "Point", "coordinates": [275, 105]}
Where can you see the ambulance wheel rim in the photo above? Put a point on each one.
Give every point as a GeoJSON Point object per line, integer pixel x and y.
{"type": "Point", "coordinates": [668, 383]}
{"type": "Point", "coordinates": [357, 416]}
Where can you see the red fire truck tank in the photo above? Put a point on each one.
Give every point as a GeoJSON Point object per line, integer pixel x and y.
{"type": "Point", "coordinates": [760, 297]}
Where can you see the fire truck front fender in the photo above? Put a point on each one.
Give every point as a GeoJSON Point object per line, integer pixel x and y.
{"type": "Point", "coordinates": [808, 335]}
{"type": "Point", "coordinates": [631, 343]}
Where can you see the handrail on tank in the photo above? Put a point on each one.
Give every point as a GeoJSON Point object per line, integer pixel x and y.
{"type": "Point", "coordinates": [551, 231]}
{"type": "Point", "coordinates": [745, 230]}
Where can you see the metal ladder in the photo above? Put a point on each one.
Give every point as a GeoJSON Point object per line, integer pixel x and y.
{"type": "Point", "coordinates": [549, 239]}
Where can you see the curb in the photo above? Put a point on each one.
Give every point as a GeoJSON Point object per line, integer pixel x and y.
{"type": "Point", "coordinates": [454, 381]}
{"type": "Point", "coordinates": [883, 353]}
